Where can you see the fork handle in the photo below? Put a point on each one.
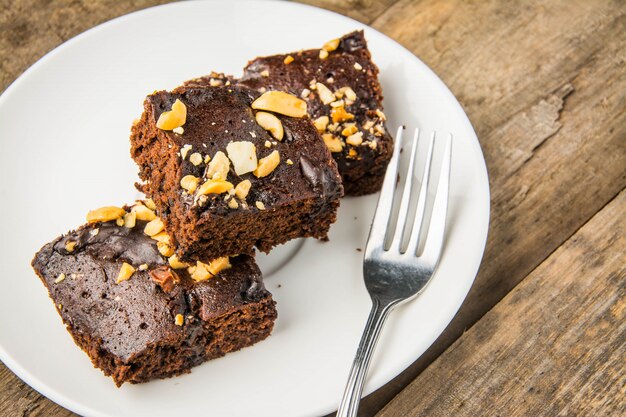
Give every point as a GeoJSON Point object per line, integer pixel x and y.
{"type": "Point", "coordinates": [352, 394]}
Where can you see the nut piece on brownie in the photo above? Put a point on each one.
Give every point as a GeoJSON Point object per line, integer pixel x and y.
{"type": "Point", "coordinates": [340, 84]}
{"type": "Point", "coordinates": [157, 321]}
{"type": "Point", "coordinates": [228, 182]}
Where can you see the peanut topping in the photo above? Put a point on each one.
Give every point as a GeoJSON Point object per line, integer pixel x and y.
{"type": "Point", "coordinates": [199, 272]}
{"type": "Point", "coordinates": [178, 130]}
{"type": "Point", "coordinates": [267, 165]}
{"type": "Point", "coordinates": [165, 249]}
{"type": "Point", "coordinates": [214, 187]}
{"type": "Point", "coordinates": [174, 118]}
{"type": "Point", "coordinates": [196, 159]}
{"type": "Point", "coordinates": [60, 278]}
{"type": "Point", "coordinates": [325, 94]}
{"type": "Point", "coordinates": [119, 221]}
{"type": "Point", "coordinates": [179, 320]}
{"type": "Point", "coordinates": [381, 115]}
{"type": "Point", "coordinates": [143, 267]}
{"type": "Point", "coordinates": [126, 271]}
{"type": "Point", "coordinates": [323, 54]}
{"type": "Point", "coordinates": [321, 123]}
{"type": "Point", "coordinates": [243, 156]}
{"type": "Point", "coordinates": [164, 277]}
{"type": "Point", "coordinates": [143, 213]}
{"type": "Point", "coordinates": [233, 204]}
{"type": "Point", "coordinates": [349, 93]}
{"type": "Point", "coordinates": [175, 263]}
{"type": "Point", "coordinates": [202, 271]}
{"type": "Point", "coordinates": [241, 190]}
{"type": "Point", "coordinates": [332, 142]}
{"type": "Point", "coordinates": [357, 66]}
{"type": "Point", "coordinates": [349, 129]}
{"type": "Point", "coordinates": [259, 205]}
{"type": "Point", "coordinates": [218, 167]}
{"type": "Point", "coordinates": [130, 219]}
{"type": "Point", "coordinates": [189, 183]}
{"type": "Point", "coordinates": [105, 214]}
{"type": "Point", "coordinates": [70, 245]}
{"type": "Point", "coordinates": [184, 150]}
{"type": "Point", "coordinates": [162, 237]}
{"type": "Point", "coordinates": [154, 227]}
{"type": "Point", "coordinates": [339, 114]}
{"type": "Point", "coordinates": [331, 45]}
{"type": "Point", "coordinates": [270, 123]}
{"type": "Point", "coordinates": [282, 103]}
{"type": "Point", "coordinates": [288, 60]}
{"type": "Point", "coordinates": [355, 140]}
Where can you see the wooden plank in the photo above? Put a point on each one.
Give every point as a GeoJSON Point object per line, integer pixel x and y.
{"type": "Point", "coordinates": [554, 144]}
{"type": "Point", "coordinates": [31, 28]}
{"type": "Point", "coordinates": [18, 399]}
{"type": "Point", "coordinates": [553, 346]}
{"type": "Point", "coordinates": [364, 11]}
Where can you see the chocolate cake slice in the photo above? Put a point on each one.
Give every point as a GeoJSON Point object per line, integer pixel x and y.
{"type": "Point", "coordinates": [137, 311]}
{"type": "Point", "coordinates": [231, 169]}
{"type": "Point", "coordinates": [344, 98]}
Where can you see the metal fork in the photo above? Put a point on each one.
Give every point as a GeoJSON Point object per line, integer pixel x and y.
{"type": "Point", "coordinates": [395, 274]}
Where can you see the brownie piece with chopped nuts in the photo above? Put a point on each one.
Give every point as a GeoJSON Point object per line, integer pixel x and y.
{"type": "Point", "coordinates": [136, 316]}
{"type": "Point", "coordinates": [340, 84]}
{"type": "Point", "coordinates": [226, 178]}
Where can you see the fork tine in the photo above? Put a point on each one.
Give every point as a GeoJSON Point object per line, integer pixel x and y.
{"type": "Point", "coordinates": [403, 213]}
{"type": "Point", "coordinates": [385, 200]}
{"type": "Point", "coordinates": [414, 238]}
{"type": "Point", "coordinates": [436, 230]}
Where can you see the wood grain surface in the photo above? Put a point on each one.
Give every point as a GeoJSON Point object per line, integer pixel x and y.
{"type": "Point", "coordinates": [544, 84]}
{"type": "Point", "coordinates": [555, 345]}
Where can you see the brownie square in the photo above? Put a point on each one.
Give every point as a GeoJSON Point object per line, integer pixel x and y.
{"type": "Point", "coordinates": [297, 196]}
{"type": "Point", "coordinates": [340, 85]}
{"type": "Point", "coordinates": [141, 315]}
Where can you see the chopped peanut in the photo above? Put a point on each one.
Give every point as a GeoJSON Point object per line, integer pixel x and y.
{"type": "Point", "coordinates": [321, 123]}
{"type": "Point", "coordinates": [243, 156]}
{"type": "Point", "coordinates": [355, 140]}
{"type": "Point", "coordinates": [325, 94]}
{"type": "Point", "coordinates": [282, 103]}
{"type": "Point", "coordinates": [214, 187]}
{"type": "Point", "coordinates": [154, 227]}
{"type": "Point", "coordinates": [143, 213]}
{"type": "Point", "coordinates": [174, 118]}
{"type": "Point", "coordinates": [270, 123]}
{"type": "Point", "coordinates": [333, 143]}
{"type": "Point", "coordinates": [242, 189]}
{"type": "Point", "coordinates": [105, 214]}
{"type": "Point", "coordinates": [126, 271]}
{"type": "Point", "coordinates": [267, 165]}
{"type": "Point", "coordinates": [218, 167]}
{"type": "Point", "coordinates": [339, 114]}
{"type": "Point", "coordinates": [189, 183]}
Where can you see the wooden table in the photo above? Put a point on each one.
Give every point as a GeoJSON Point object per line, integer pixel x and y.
{"type": "Point", "coordinates": [543, 330]}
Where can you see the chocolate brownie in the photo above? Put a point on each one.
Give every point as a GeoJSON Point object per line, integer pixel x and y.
{"type": "Point", "coordinates": [230, 169]}
{"type": "Point", "coordinates": [340, 85]}
{"type": "Point", "coordinates": [140, 315]}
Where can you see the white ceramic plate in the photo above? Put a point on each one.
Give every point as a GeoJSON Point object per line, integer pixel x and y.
{"type": "Point", "coordinates": [64, 150]}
